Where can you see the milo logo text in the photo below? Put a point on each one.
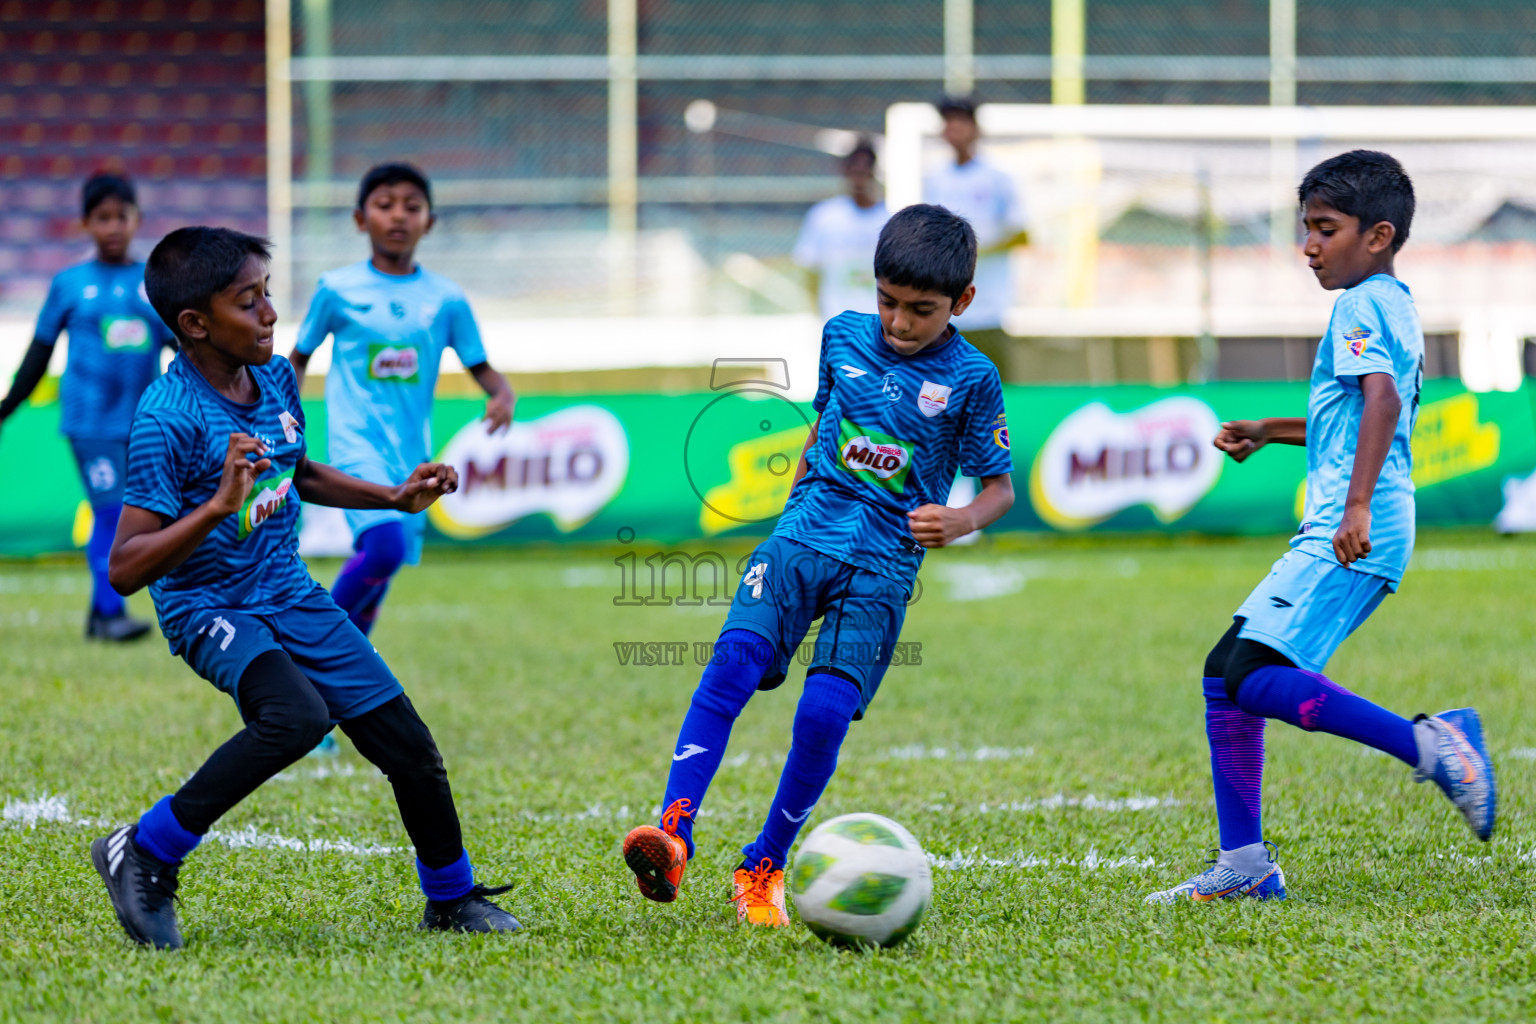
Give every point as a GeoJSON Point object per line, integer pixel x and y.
{"type": "Point", "coordinates": [878, 458]}
{"type": "Point", "coordinates": [125, 333]}
{"type": "Point", "coordinates": [392, 362]}
{"type": "Point", "coordinates": [266, 499]}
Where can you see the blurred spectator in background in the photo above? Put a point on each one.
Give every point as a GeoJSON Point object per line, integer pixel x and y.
{"type": "Point", "coordinates": [837, 242]}
{"type": "Point", "coordinates": [985, 196]}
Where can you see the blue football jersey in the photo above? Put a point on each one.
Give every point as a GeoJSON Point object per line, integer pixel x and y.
{"type": "Point", "coordinates": [1374, 329]}
{"type": "Point", "coordinates": [390, 333]}
{"type": "Point", "coordinates": [114, 346]}
{"type": "Point", "coordinates": [893, 431]}
{"type": "Point", "coordinates": [176, 454]}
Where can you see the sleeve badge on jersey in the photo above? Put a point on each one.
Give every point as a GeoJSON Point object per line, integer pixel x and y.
{"type": "Point", "coordinates": [290, 426]}
{"type": "Point", "coordinates": [932, 398]}
{"type": "Point", "coordinates": [1359, 339]}
{"type": "Point", "coordinates": [1000, 438]}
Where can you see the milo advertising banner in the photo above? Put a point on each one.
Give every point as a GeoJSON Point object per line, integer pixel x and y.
{"type": "Point", "coordinates": [678, 467]}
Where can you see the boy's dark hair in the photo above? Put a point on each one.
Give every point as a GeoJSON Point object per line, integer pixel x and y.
{"type": "Point", "coordinates": [392, 174]}
{"type": "Point", "coordinates": [862, 149]}
{"type": "Point", "coordinates": [965, 105]}
{"type": "Point", "coordinates": [192, 265]}
{"type": "Point", "coordinates": [928, 248]}
{"type": "Point", "coordinates": [1365, 184]}
{"type": "Point", "coordinates": [98, 188]}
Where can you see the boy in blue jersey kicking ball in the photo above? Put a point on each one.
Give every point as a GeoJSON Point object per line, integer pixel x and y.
{"type": "Point", "coordinates": [1353, 545]}
{"type": "Point", "coordinates": [114, 354]}
{"type": "Point", "coordinates": [209, 523]}
{"type": "Point", "coordinates": [392, 321]}
{"type": "Point", "coordinates": [902, 401]}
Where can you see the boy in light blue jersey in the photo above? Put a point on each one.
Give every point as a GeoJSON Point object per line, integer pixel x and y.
{"type": "Point", "coordinates": [115, 338]}
{"type": "Point", "coordinates": [392, 320]}
{"type": "Point", "coordinates": [1353, 545]}
{"type": "Point", "coordinates": [903, 401]}
{"type": "Point", "coordinates": [217, 461]}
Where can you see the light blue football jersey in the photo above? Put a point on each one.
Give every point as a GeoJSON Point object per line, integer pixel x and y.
{"type": "Point", "coordinates": [114, 346]}
{"type": "Point", "coordinates": [176, 453]}
{"type": "Point", "coordinates": [1374, 329]}
{"type": "Point", "coordinates": [893, 431]}
{"type": "Point", "coordinates": [390, 333]}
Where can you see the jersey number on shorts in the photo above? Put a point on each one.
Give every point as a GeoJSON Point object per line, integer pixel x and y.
{"type": "Point", "coordinates": [220, 622]}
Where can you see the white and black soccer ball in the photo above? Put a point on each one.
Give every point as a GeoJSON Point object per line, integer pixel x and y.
{"type": "Point", "coordinates": [861, 880]}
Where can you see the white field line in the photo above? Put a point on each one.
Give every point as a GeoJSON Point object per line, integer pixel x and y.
{"type": "Point", "coordinates": [74, 582]}
{"type": "Point", "coordinates": [1522, 753]}
{"type": "Point", "coordinates": [919, 752]}
{"type": "Point", "coordinates": [1086, 803]}
{"type": "Point", "coordinates": [1472, 560]}
{"type": "Point", "coordinates": [1091, 861]}
{"type": "Point", "coordinates": [321, 770]}
{"type": "Point", "coordinates": [980, 581]}
{"type": "Point", "coordinates": [50, 808]}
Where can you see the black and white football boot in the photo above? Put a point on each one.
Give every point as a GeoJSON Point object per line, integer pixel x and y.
{"type": "Point", "coordinates": [142, 888]}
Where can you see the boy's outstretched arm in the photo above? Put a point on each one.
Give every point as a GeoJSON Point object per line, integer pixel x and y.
{"type": "Point", "coordinates": [300, 362]}
{"type": "Point", "coordinates": [501, 398]}
{"type": "Point", "coordinates": [1378, 424]}
{"type": "Point", "coordinates": [145, 548]}
{"type": "Point", "coordinates": [320, 484]}
{"type": "Point", "coordinates": [934, 526]}
{"type": "Point", "coordinates": [1241, 438]}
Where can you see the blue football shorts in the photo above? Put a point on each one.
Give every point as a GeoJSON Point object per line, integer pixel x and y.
{"type": "Point", "coordinates": [788, 586]}
{"type": "Point", "coordinates": [1307, 605]}
{"type": "Point", "coordinates": [221, 643]}
{"type": "Point", "coordinates": [103, 469]}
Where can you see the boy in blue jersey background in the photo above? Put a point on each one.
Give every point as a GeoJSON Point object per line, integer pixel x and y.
{"type": "Point", "coordinates": [216, 461]}
{"type": "Point", "coordinates": [114, 354]}
{"type": "Point", "coordinates": [903, 401]}
{"type": "Point", "coordinates": [391, 320]}
{"type": "Point", "coordinates": [1353, 545]}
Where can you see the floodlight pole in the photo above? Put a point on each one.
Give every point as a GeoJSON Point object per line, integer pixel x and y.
{"type": "Point", "coordinates": [280, 152]}
{"type": "Point", "coordinates": [317, 95]}
{"type": "Point", "coordinates": [1069, 42]}
{"type": "Point", "coordinates": [623, 153]}
{"type": "Point", "coordinates": [959, 47]}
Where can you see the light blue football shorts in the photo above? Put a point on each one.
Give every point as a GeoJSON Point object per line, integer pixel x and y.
{"type": "Point", "coordinates": [1307, 605]}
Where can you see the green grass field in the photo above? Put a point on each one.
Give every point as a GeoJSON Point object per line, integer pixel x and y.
{"type": "Point", "coordinates": [1049, 752]}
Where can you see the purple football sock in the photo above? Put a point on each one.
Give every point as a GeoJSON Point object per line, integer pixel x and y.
{"type": "Point", "coordinates": [363, 581]}
{"type": "Point", "coordinates": [730, 679]}
{"type": "Point", "coordinates": [1312, 701]}
{"type": "Point", "coordinates": [1237, 766]}
{"type": "Point", "coordinates": [821, 723]}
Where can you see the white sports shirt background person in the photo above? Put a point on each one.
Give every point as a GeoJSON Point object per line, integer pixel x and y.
{"type": "Point", "coordinates": [837, 241]}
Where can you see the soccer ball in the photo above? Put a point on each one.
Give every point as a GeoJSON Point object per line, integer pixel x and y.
{"type": "Point", "coordinates": [861, 880]}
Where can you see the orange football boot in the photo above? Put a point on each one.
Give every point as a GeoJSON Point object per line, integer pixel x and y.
{"type": "Point", "coordinates": [759, 895]}
{"type": "Point", "coordinates": [658, 856]}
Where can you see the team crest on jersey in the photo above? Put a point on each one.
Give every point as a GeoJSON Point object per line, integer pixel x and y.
{"type": "Point", "coordinates": [890, 387]}
{"type": "Point", "coordinates": [290, 426]}
{"type": "Point", "coordinates": [1000, 431]}
{"type": "Point", "coordinates": [875, 457]}
{"type": "Point", "coordinates": [932, 398]}
{"type": "Point", "coordinates": [267, 498]}
{"type": "Point", "coordinates": [397, 310]}
{"type": "Point", "coordinates": [1359, 339]}
{"type": "Point", "coordinates": [393, 362]}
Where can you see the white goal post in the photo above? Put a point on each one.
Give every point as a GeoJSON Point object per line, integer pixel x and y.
{"type": "Point", "coordinates": [1180, 221]}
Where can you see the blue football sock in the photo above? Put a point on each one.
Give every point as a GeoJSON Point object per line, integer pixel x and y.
{"type": "Point", "coordinates": [163, 836]}
{"type": "Point", "coordinates": [363, 581]}
{"type": "Point", "coordinates": [741, 659]}
{"type": "Point", "coordinates": [447, 883]}
{"type": "Point", "coordinates": [821, 722]}
{"type": "Point", "coordinates": [1237, 766]}
{"type": "Point", "coordinates": [98, 553]}
{"type": "Point", "coordinates": [1314, 702]}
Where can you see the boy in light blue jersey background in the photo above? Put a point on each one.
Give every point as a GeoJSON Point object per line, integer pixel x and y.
{"type": "Point", "coordinates": [1353, 545]}
{"type": "Point", "coordinates": [115, 338]}
{"type": "Point", "coordinates": [392, 320]}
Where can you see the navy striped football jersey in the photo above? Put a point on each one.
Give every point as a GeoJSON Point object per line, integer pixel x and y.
{"type": "Point", "coordinates": [893, 432]}
{"type": "Point", "coordinates": [175, 461]}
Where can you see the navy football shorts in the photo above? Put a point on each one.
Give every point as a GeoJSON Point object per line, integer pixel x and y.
{"type": "Point", "coordinates": [331, 652]}
{"type": "Point", "coordinates": [788, 586]}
